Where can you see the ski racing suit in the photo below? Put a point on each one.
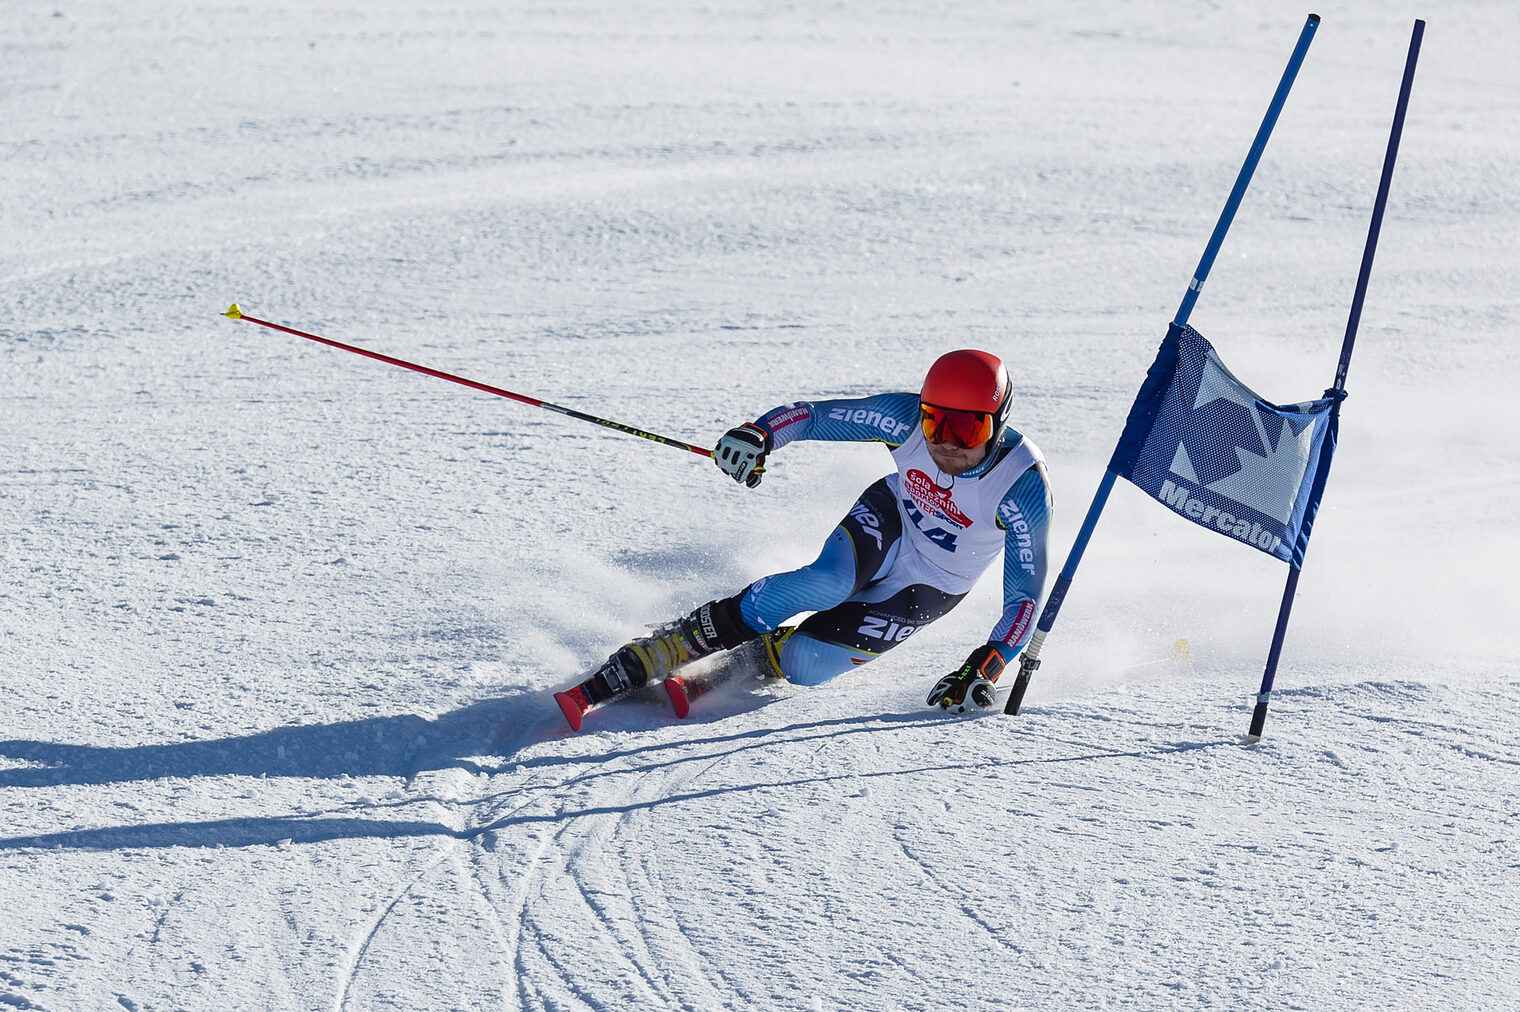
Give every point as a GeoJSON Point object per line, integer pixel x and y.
{"type": "Point", "coordinates": [910, 547]}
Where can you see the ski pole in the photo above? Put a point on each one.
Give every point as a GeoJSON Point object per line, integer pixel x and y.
{"type": "Point", "coordinates": [1379, 205]}
{"type": "Point", "coordinates": [237, 314]}
{"type": "Point", "coordinates": [1030, 661]}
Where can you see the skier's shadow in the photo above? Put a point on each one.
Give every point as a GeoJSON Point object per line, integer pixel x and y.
{"type": "Point", "coordinates": [400, 746]}
{"type": "Point", "coordinates": [379, 746]}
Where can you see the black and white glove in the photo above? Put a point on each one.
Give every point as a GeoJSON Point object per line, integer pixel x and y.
{"type": "Point", "coordinates": [971, 684]}
{"type": "Point", "coordinates": [740, 454]}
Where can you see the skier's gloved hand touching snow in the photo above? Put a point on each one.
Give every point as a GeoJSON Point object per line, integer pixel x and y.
{"type": "Point", "coordinates": [971, 683]}
{"type": "Point", "coordinates": [740, 454]}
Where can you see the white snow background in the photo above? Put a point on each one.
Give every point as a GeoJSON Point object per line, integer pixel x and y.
{"type": "Point", "coordinates": [280, 624]}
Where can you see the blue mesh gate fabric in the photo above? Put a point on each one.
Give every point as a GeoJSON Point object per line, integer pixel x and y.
{"type": "Point", "coordinates": [1203, 444]}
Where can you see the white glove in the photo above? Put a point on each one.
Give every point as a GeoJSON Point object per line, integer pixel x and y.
{"type": "Point", "coordinates": [740, 454]}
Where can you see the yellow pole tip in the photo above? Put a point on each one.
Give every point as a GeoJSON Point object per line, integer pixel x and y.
{"type": "Point", "coordinates": [234, 313]}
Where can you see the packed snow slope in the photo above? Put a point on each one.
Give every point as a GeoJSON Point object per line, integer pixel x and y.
{"type": "Point", "coordinates": [280, 624]}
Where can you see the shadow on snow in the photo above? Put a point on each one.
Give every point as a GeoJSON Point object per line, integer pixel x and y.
{"type": "Point", "coordinates": [405, 745]}
{"type": "Point", "coordinates": [377, 746]}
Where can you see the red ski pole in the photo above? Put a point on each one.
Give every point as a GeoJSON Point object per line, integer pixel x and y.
{"type": "Point", "coordinates": [237, 314]}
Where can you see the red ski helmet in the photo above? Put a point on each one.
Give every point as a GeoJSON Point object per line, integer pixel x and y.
{"type": "Point", "coordinates": [965, 398]}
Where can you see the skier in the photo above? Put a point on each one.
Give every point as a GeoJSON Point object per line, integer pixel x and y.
{"type": "Point", "coordinates": [907, 551]}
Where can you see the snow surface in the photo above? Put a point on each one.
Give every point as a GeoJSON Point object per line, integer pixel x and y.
{"type": "Point", "coordinates": [280, 624]}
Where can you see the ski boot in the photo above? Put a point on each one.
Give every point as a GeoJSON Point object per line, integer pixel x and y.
{"type": "Point", "coordinates": [715, 626]}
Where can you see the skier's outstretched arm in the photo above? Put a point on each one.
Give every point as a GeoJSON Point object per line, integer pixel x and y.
{"type": "Point", "coordinates": [883, 418]}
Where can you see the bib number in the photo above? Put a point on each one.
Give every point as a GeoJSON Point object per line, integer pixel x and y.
{"type": "Point", "coordinates": [941, 537]}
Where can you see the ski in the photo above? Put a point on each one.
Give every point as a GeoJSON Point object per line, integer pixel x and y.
{"type": "Point", "coordinates": [756, 659]}
{"type": "Point", "coordinates": [682, 689]}
{"type": "Point", "coordinates": [681, 693]}
{"type": "Point", "coordinates": [605, 684]}
{"type": "Point", "coordinates": [573, 704]}
{"type": "Point", "coordinates": [576, 702]}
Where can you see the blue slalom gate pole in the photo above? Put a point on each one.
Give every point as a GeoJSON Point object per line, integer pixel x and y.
{"type": "Point", "coordinates": [1031, 658]}
{"type": "Point", "coordinates": [1338, 391]}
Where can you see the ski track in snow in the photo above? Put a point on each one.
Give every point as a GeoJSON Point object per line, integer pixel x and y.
{"type": "Point", "coordinates": [280, 624]}
{"type": "Point", "coordinates": [587, 877]}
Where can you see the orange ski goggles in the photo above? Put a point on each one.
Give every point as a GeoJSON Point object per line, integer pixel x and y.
{"type": "Point", "coordinates": [967, 429]}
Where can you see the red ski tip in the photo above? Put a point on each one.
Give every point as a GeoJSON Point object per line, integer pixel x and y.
{"type": "Point", "coordinates": [675, 688]}
{"type": "Point", "coordinates": [571, 703]}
